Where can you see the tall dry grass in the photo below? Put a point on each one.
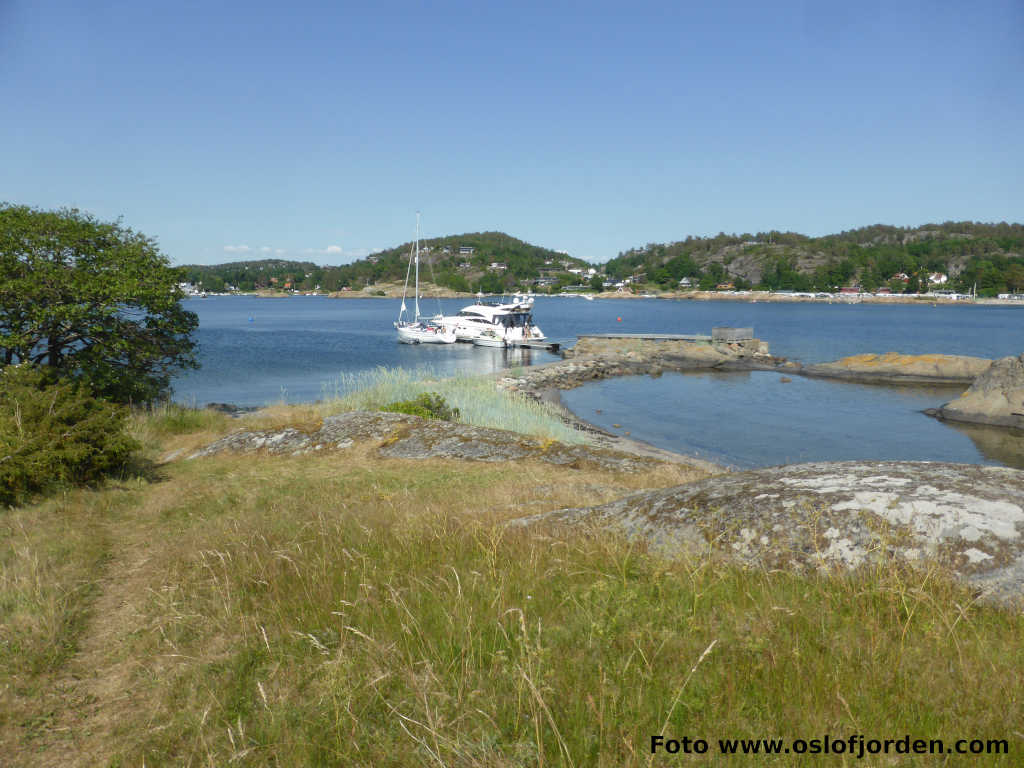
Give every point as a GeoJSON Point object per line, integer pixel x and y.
{"type": "Point", "coordinates": [346, 610]}
{"type": "Point", "coordinates": [383, 614]}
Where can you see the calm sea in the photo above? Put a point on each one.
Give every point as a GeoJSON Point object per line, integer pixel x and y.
{"type": "Point", "coordinates": [256, 351]}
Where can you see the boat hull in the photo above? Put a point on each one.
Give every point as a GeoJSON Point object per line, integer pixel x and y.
{"type": "Point", "coordinates": [419, 334]}
{"type": "Point", "coordinates": [489, 341]}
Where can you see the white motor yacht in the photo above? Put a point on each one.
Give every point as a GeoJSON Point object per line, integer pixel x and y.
{"type": "Point", "coordinates": [510, 321]}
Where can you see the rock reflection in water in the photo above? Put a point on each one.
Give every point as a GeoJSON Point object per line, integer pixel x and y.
{"type": "Point", "coordinates": [999, 444]}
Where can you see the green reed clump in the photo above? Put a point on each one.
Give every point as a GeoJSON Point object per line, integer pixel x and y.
{"type": "Point", "coordinates": [477, 399]}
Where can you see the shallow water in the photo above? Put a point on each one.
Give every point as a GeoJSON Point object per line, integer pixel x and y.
{"type": "Point", "coordinates": [757, 419]}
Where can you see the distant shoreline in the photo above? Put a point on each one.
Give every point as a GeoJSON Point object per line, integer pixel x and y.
{"type": "Point", "coordinates": [750, 297]}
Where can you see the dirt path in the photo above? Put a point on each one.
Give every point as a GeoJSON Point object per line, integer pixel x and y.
{"type": "Point", "coordinates": [93, 691]}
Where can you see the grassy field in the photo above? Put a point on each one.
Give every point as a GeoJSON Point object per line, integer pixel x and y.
{"type": "Point", "coordinates": [347, 610]}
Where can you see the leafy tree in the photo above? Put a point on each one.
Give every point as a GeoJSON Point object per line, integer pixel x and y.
{"type": "Point", "coordinates": [1015, 277]}
{"type": "Point", "coordinates": [597, 283]}
{"type": "Point", "coordinates": [491, 283]}
{"type": "Point", "coordinates": [92, 301]}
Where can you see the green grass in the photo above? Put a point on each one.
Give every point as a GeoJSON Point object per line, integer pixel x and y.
{"type": "Point", "coordinates": [169, 418]}
{"type": "Point", "coordinates": [477, 398]}
{"type": "Point", "coordinates": [348, 610]}
{"type": "Point", "coordinates": [418, 638]}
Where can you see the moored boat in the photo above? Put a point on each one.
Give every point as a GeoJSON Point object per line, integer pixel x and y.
{"type": "Point", "coordinates": [510, 321]}
{"type": "Point", "coordinates": [418, 330]}
{"type": "Point", "coordinates": [490, 338]}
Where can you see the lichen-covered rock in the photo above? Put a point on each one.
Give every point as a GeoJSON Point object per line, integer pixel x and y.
{"type": "Point", "coordinates": [894, 368]}
{"type": "Point", "coordinates": [845, 514]}
{"type": "Point", "coordinates": [996, 397]}
{"type": "Point", "coordinates": [411, 437]}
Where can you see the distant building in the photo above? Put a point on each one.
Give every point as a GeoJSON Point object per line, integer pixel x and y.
{"type": "Point", "coordinates": [497, 266]}
{"type": "Point", "coordinates": [901, 276]}
{"type": "Point", "coordinates": [685, 282]}
{"type": "Point", "coordinates": [466, 250]}
{"type": "Point", "coordinates": [938, 278]}
{"type": "Point", "coordinates": [465, 265]}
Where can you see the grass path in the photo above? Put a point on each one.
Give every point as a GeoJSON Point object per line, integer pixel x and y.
{"type": "Point", "coordinates": [74, 708]}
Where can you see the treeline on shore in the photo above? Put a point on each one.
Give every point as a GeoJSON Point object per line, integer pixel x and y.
{"type": "Point", "coordinates": [988, 258]}
{"type": "Point", "coordinates": [489, 261]}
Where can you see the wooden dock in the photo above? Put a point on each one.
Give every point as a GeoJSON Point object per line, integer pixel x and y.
{"type": "Point", "coordinates": [647, 336]}
{"type": "Point", "coordinates": [549, 346]}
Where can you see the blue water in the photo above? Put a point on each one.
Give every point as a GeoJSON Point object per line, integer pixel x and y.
{"type": "Point", "coordinates": [758, 419]}
{"type": "Point", "coordinates": [256, 351]}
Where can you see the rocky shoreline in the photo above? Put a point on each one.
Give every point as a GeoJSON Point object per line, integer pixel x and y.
{"type": "Point", "coordinates": [824, 515]}
{"type": "Point", "coordinates": [995, 397]}
{"type": "Point", "coordinates": [817, 516]}
{"type": "Point", "coordinates": [595, 358]}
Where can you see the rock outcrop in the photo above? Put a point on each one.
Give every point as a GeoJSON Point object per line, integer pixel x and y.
{"type": "Point", "coordinates": [411, 437]}
{"type": "Point", "coordinates": [837, 514]}
{"type": "Point", "coordinates": [894, 368]}
{"type": "Point", "coordinates": [996, 397]}
{"type": "Point", "coordinates": [595, 357]}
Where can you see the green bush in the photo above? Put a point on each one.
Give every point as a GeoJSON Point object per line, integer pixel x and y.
{"type": "Point", "coordinates": [55, 433]}
{"type": "Point", "coordinates": [429, 405]}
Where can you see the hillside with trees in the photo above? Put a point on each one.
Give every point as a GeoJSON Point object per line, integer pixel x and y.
{"type": "Point", "coordinates": [459, 262]}
{"type": "Point", "coordinates": [990, 256]}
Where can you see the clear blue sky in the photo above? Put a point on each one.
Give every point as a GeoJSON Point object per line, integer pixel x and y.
{"type": "Point", "coordinates": [315, 130]}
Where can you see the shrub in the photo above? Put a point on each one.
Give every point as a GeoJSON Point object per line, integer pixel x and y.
{"type": "Point", "coordinates": [429, 405]}
{"type": "Point", "coordinates": [55, 433]}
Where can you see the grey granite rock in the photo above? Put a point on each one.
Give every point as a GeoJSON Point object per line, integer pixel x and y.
{"type": "Point", "coordinates": [837, 514]}
{"type": "Point", "coordinates": [996, 397]}
{"type": "Point", "coordinates": [410, 437]}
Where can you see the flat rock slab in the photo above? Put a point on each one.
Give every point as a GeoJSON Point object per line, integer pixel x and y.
{"type": "Point", "coordinates": [837, 514]}
{"type": "Point", "coordinates": [411, 437]}
{"type": "Point", "coordinates": [894, 368]}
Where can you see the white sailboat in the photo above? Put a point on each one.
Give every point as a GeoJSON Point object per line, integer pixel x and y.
{"type": "Point", "coordinates": [417, 331]}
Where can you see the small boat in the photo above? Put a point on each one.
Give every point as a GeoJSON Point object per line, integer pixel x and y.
{"type": "Point", "coordinates": [418, 330]}
{"type": "Point", "coordinates": [490, 338]}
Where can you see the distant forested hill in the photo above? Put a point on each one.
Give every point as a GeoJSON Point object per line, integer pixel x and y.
{"type": "Point", "coordinates": [989, 255]}
{"type": "Point", "coordinates": [461, 262]}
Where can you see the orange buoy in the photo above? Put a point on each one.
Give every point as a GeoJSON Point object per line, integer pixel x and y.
{"type": "Point", "coordinates": [619, 319]}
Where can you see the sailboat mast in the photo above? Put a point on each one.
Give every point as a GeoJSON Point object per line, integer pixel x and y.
{"type": "Point", "coordinates": [417, 266]}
